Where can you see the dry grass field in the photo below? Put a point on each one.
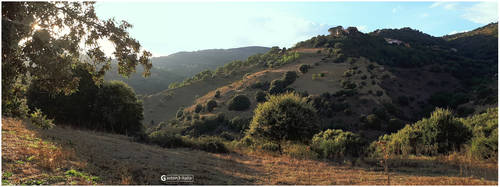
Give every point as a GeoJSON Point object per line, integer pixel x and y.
{"type": "Point", "coordinates": [69, 156]}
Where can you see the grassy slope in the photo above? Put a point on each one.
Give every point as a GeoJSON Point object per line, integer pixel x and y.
{"type": "Point", "coordinates": [101, 158]}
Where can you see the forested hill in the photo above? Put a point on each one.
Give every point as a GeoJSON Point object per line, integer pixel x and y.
{"type": "Point", "coordinates": [190, 63]}
{"type": "Point", "coordinates": [179, 66]}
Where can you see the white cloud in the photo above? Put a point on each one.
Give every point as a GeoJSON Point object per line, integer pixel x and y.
{"type": "Point", "coordinates": [436, 4]}
{"type": "Point", "coordinates": [482, 13]}
{"type": "Point", "coordinates": [445, 5]}
{"type": "Point", "coordinates": [424, 15]}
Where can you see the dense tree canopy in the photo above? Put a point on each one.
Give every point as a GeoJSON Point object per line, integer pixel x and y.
{"type": "Point", "coordinates": [43, 41]}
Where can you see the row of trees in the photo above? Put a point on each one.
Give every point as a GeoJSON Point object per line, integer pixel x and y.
{"type": "Point", "coordinates": [110, 106]}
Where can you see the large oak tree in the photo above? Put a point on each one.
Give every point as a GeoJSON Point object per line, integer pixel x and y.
{"type": "Point", "coordinates": [44, 41]}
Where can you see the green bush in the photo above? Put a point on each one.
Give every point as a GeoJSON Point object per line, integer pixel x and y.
{"type": "Point", "coordinates": [270, 146]}
{"type": "Point", "coordinates": [337, 144]}
{"type": "Point", "coordinates": [284, 117]}
{"type": "Point", "coordinates": [180, 113]}
{"type": "Point", "coordinates": [211, 105]}
{"type": "Point", "coordinates": [217, 94]}
{"type": "Point", "coordinates": [277, 86]}
{"type": "Point", "coordinates": [373, 122]}
{"type": "Point", "coordinates": [260, 96]}
{"type": "Point", "coordinates": [484, 143]}
{"type": "Point", "coordinates": [198, 108]}
{"type": "Point", "coordinates": [440, 133]}
{"type": "Point", "coordinates": [239, 103]}
{"type": "Point", "coordinates": [211, 144]}
{"type": "Point", "coordinates": [289, 77]}
{"type": "Point", "coordinates": [304, 68]}
{"type": "Point", "coordinates": [165, 139]}
{"type": "Point", "coordinates": [240, 124]}
{"type": "Point", "coordinates": [40, 120]}
{"type": "Point", "coordinates": [394, 125]}
{"type": "Point", "coordinates": [260, 85]}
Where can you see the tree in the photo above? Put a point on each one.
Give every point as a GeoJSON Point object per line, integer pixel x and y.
{"type": "Point", "coordinates": [45, 40]}
{"type": "Point", "coordinates": [118, 109]}
{"type": "Point", "coordinates": [211, 105]}
{"type": "Point", "coordinates": [239, 103]}
{"type": "Point", "coordinates": [284, 117]}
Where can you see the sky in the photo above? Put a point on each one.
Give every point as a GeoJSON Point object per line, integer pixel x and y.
{"type": "Point", "coordinates": [164, 28]}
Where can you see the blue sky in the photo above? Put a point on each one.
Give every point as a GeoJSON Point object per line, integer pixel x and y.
{"type": "Point", "coordinates": [168, 27]}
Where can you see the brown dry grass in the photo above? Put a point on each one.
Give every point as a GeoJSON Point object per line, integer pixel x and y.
{"type": "Point", "coordinates": [116, 159]}
{"type": "Point", "coordinates": [31, 160]}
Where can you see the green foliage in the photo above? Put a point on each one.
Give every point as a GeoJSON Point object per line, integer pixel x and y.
{"type": "Point", "coordinates": [440, 133]}
{"type": "Point", "coordinates": [447, 99]}
{"type": "Point", "coordinates": [112, 107]}
{"type": "Point", "coordinates": [394, 125]}
{"type": "Point", "coordinates": [373, 122]}
{"type": "Point", "coordinates": [284, 117]}
{"type": "Point", "coordinates": [239, 103]}
{"type": "Point", "coordinates": [198, 108]}
{"type": "Point", "coordinates": [180, 113]}
{"type": "Point", "coordinates": [118, 109]}
{"type": "Point", "coordinates": [211, 105]}
{"type": "Point", "coordinates": [40, 120]}
{"type": "Point", "coordinates": [240, 124]}
{"type": "Point", "coordinates": [270, 146]}
{"type": "Point", "coordinates": [303, 68]}
{"type": "Point", "coordinates": [260, 85]}
{"type": "Point", "coordinates": [48, 57]}
{"type": "Point", "coordinates": [260, 96]}
{"type": "Point", "coordinates": [289, 77]}
{"type": "Point", "coordinates": [168, 140]}
{"type": "Point", "coordinates": [335, 144]}
{"type": "Point", "coordinates": [484, 143]}
{"type": "Point", "coordinates": [217, 94]}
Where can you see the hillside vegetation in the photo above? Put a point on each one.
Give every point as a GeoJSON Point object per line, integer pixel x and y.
{"type": "Point", "coordinates": [390, 107]}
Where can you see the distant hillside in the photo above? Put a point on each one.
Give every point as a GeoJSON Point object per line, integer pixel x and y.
{"type": "Point", "coordinates": [179, 66]}
{"type": "Point", "coordinates": [480, 43]}
{"type": "Point", "coordinates": [393, 75]}
{"type": "Point", "coordinates": [190, 63]}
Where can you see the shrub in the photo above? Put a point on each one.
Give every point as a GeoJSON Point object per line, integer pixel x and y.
{"type": "Point", "coordinates": [440, 133]}
{"type": "Point", "coordinates": [198, 108]}
{"type": "Point", "coordinates": [240, 124]}
{"type": "Point", "coordinates": [349, 73]}
{"type": "Point", "coordinates": [484, 143]}
{"type": "Point", "coordinates": [260, 85]}
{"type": "Point", "coordinates": [217, 94]}
{"type": "Point", "coordinates": [348, 84]}
{"type": "Point", "coordinates": [210, 125]}
{"type": "Point", "coordinates": [270, 146]}
{"type": "Point", "coordinates": [304, 68]}
{"type": "Point", "coordinates": [239, 103]}
{"type": "Point", "coordinates": [277, 86]}
{"type": "Point", "coordinates": [284, 117]}
{"type": "Point", "coordinates": [180, 113]}
{"type": "Point", "coordinates": [164, 139]}
{"type": "Point", "coordinates": [335, 144]}
{"type": "Point", "coordinates": [300, 151]}
{"type": "Point", "coordinates": [379, 93]}
{"type": "Point", "coordinates": [211, 105]}
{"type": "Point", "coordinates": [289, 77]}
{"type": "Point", "coordinates": [40, 120]}
{"type": "Point", "coordinates": [260, 96]}
{"type": "Point", "coordinates": [394, 125]}
{"type": "Point", "coordinates": [211, 144]}
{"type": "Point", "coordinates": [372, 121]}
